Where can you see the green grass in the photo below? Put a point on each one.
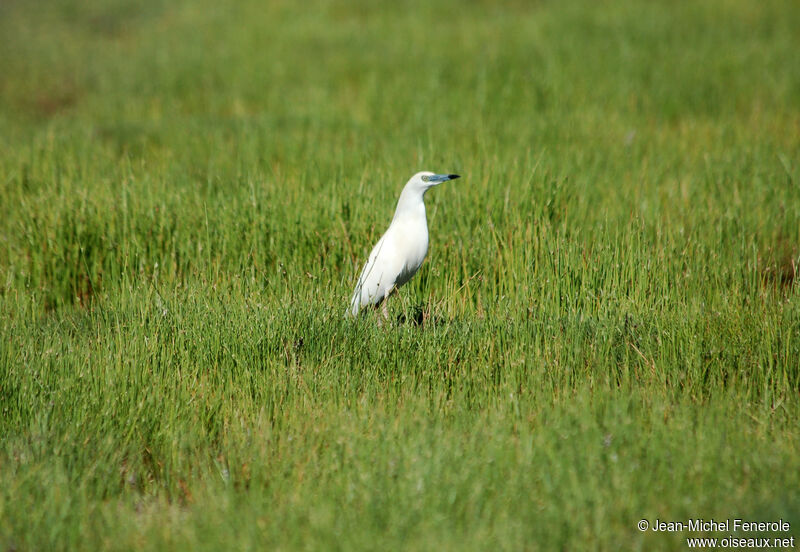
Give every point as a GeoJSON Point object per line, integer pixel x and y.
{"type": "Point", "coordinates": [607, 327]}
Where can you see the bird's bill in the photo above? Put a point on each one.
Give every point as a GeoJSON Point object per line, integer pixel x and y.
{"type": "Point", "coordinates": [438, 178]}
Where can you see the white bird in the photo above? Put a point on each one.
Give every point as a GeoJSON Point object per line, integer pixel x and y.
{"type": "Point", "coordinates": [399, 253]}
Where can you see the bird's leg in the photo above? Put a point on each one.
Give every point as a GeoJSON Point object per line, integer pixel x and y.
{"type": "Point", "coordinates": [384, 306]}
{"type": "Point", "coordinates": [409, 314]}
{"type": "Point", "coordinates": [384, 314]}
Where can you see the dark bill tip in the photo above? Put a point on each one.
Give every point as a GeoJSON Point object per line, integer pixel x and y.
{"type": "Point", "coordinates": [453, 176]}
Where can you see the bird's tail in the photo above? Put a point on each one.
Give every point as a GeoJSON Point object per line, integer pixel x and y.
{"type": "Point", "coordinates": [355, 306]}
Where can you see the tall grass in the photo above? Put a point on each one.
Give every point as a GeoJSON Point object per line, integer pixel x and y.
{"type": "Point", "coordinates": [607, 327]}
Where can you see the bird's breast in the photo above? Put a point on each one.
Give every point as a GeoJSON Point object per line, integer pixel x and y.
{"type": "Point", "coordinates": [411, 242]}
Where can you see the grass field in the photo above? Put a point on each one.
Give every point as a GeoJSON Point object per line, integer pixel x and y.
{"type": "Point", "coordinates": [606, 329]}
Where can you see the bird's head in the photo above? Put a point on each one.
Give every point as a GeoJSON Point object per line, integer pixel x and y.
{"type": "Point", "coordinates": [426, 179]}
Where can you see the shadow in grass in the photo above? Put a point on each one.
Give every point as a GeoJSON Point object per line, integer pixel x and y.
{"type": "Point", "coordinates": [421, 316]}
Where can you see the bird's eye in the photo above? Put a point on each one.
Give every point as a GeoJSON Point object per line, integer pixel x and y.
{"type": "Point", "coordinates": [425, 177]}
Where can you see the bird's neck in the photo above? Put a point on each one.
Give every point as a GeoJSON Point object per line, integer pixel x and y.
{"type": "Point", "coordinates": [410, 205]}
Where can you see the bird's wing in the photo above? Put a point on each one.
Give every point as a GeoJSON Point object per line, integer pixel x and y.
{"type": "Point", "coordinates": [378, 276]}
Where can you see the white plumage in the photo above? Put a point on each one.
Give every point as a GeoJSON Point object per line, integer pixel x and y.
{"type": "Point", "coordinates": [399, 253]}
